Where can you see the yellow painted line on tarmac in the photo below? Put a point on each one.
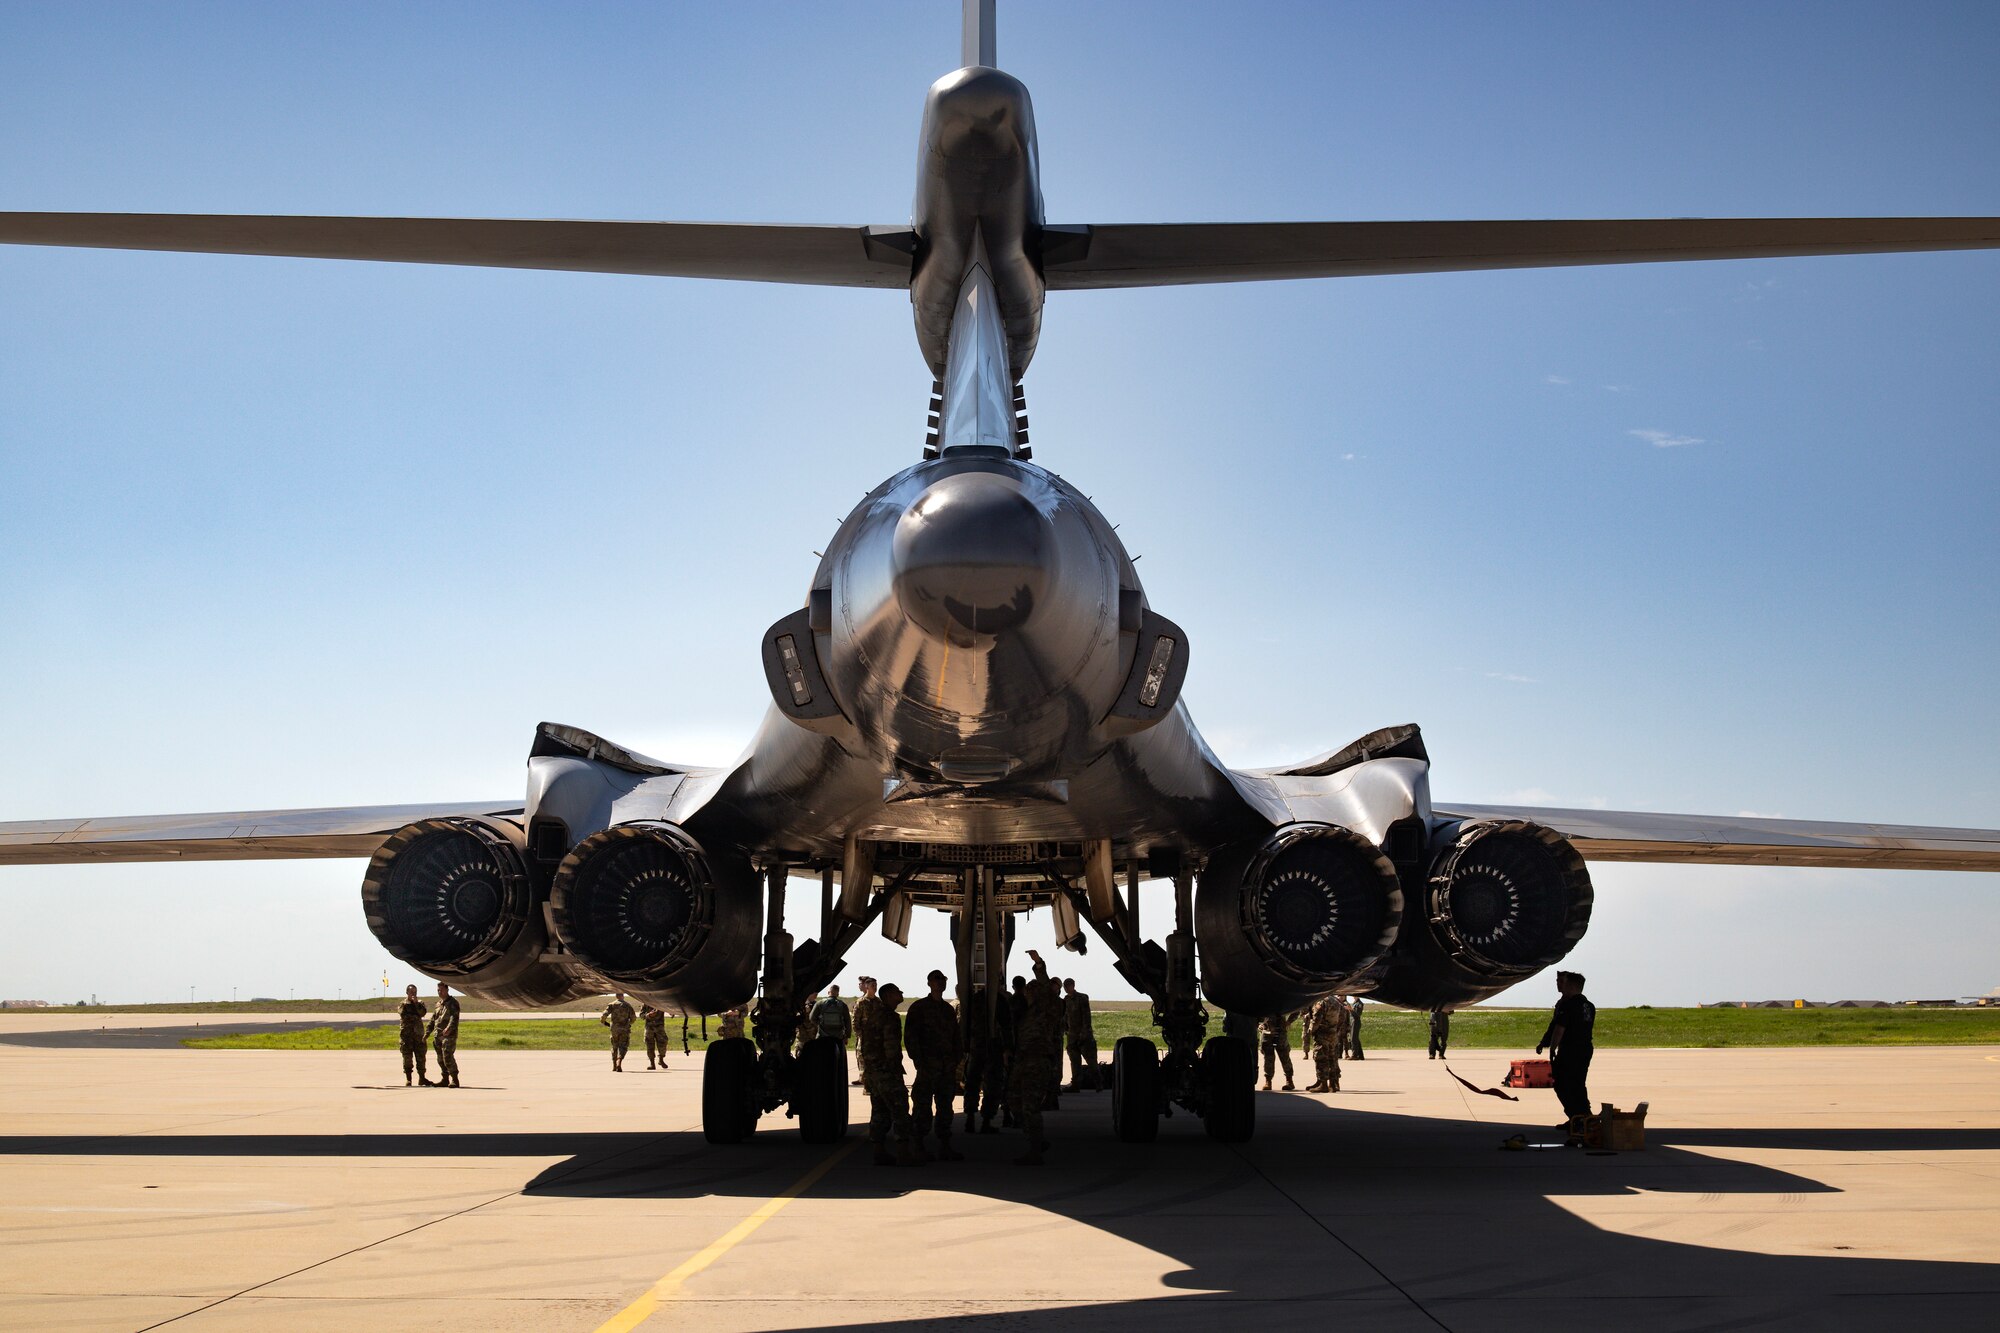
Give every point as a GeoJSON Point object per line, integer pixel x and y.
{"type": "Point", "coordinates": [668, 1287]}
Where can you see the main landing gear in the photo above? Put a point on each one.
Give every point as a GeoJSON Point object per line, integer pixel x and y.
{"type": "Point", "coordinates": [741, 1079]}
{"type": "Point", "coordinates": [1214, 1078]}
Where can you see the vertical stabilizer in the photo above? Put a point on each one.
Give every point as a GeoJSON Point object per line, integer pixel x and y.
{"type": "Point", "coordinates": [976, 47]}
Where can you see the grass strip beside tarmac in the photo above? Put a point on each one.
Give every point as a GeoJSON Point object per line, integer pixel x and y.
{"type": "Point", "coordinates": [1383, 1028]}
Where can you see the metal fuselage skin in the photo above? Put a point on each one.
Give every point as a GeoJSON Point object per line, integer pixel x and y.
{"type": "Point", "coordinates": [977, 620]}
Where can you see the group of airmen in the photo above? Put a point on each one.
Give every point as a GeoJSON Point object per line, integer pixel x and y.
{"type": "Point", "coordinates": [1013, 1074]}
{"type": "Point", "coordinates": [1331, 1031]}
{"type": "Point", "coordinates": [619, 1017]}
{"type": "Point", "coordinates": [1010, 1070]}
{"type": "Point", "coordinates": [437, 1026]}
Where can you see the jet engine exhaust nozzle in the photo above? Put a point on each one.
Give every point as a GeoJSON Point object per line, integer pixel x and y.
{"type": "Point", "coordinates": [453, 898]}
{"type": "Point", "coordinates": [1290, 918]}
{"type": "Point", "coordinates": [648, 908]}
{"type": "Point", "coordinates": [1508, 898]}
{"type": "Point", "coordinates": [972, 558]}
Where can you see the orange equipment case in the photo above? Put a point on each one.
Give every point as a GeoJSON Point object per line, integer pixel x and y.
{"type": "Point", "coordinates": [1531, 1074]}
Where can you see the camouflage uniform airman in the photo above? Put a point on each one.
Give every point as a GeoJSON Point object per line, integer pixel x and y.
{"type": "Point", "coordinates": [830, 1018]}
{"type": "Point", "coordinates": [882, 1060]}
{"type": "Point", "coordinates": [443, 1032]}
{"type": "Point", "coordinates": [731, 1024]}
{"type": "Point", "coordinates": [1275, 1035]}
{"type": "Point", "coordinates": [1081, 1038]}
{"type": "Point", "coordinates": [411, 1038]}
{"type": "Point", "coordinates": [985, 1063]}
{"type": "Point", "coordinates": [864, 1009]}
{"type": "Point", "coordinates": [1440, 1032]}
{"type": "Point", "coordinates": [618, 1017]}
{"type": "Point", "coordinates": [932, 1037]}
{"type": "Point", "coordinates": [1326, 1037]}
{"type": "Point", "coordinates": [1037, 1065]}
{"type": "Point", "coordinates": [656, 1036]}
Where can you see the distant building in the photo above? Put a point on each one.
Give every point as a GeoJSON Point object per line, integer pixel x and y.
{"type": "Point", "coordinates": [24, 1004]}
{"type": "Point", "coordinates": [1809, 1004]}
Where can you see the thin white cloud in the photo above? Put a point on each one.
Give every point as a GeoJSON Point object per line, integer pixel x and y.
{"type": "Point", "coordinates": [1510, 676]}
{"type": "Point", "coordinates": [1555, 379]}
{"type": "Point", "coordinates": [1665, 439]}
{"type": "Point", "coordinates": [1617, 388]}
{"type": "Point", "coordinates": [1349, 458]}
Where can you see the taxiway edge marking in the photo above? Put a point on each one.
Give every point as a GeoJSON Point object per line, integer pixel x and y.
{"type": "Point", "coordinates": [669, 1286]}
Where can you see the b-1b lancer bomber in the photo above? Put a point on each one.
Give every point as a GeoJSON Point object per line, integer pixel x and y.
{"type": "Point", "coordinates": [976, 706]}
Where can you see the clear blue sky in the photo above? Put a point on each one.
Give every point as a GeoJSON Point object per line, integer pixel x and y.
{"type": "Point", "coordinates": [1684, 537]}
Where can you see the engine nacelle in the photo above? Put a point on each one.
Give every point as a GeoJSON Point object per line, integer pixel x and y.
{"type": "Point", "coordinates": [649, 909]}
{"type": "Point", "coordinates": [453, 898]}
{"type": "Point", "coordinates": [1288, 919]}
{"type": "Point", "coordinates": [1503, 900]}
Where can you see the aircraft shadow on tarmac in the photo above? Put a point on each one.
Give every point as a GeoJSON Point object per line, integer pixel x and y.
{"type": "Point", "coordinates": [1423, 1214]}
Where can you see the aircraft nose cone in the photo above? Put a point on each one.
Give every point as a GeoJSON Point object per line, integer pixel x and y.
{"type": "Point", "coordinates": [972, 557]}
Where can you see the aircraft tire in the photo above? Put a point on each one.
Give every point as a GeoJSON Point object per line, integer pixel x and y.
{"type": "Point", "coordinates": [1230, 1064]}
{"type": "Point", "coordinates": [1135, 1090]}
{"type": "Point", "coordinates": [727, 1115]}
{"type": "Point", "coordinates": [819, 1091]}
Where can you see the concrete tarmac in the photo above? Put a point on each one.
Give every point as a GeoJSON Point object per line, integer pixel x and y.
{"type": "Point", "coordinates": [163, 1032]}
{"type": "Point", "coordinates": [1781, 1189]}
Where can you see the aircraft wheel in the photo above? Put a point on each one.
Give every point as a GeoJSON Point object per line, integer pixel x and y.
{"type": "Point", "coordinates": [727, 1072]}
{"type": "Point", "coordinates": [819, 1091]}
{"type": "Point", "coordinates": [1135, 1090]}
{"type": "Point", "coordinates": [1230, 1065]}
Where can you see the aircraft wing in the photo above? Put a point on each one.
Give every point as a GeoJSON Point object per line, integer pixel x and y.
{"type": "Point", "coordinates": [1623, 835]}
{"type": "Point", "coordinates": [1075, 258]}
{"type": "Point", "coordinates": [755, 252]}
{"type": "Point", "coordinates": [1167, 254]}
{"type": "Point", "coordinates": [245, 835]}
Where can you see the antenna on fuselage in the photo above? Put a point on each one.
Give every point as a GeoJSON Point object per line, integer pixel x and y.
{"type": "Point", "coordinates": [976, 48]}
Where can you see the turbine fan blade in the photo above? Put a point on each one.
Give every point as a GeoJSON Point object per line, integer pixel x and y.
{"type": "Point", "coordinates": [1167, 254]}
{"type": "Point", "coordinates": [753, 252]}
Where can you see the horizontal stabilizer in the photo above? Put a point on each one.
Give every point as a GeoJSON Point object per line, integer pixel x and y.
{"type": "Point", "coordinates": [245, 835]}
{"type": "Point", "coordinates": [1166, 254]}
{"type": "Point", "coordinates": [751, 252]}
{"type": "Point", "coordinates": [1624, 835]}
